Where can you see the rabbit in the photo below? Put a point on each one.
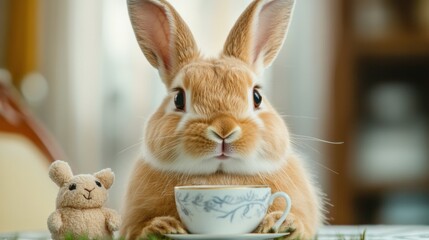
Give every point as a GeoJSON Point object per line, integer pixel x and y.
{"type": "Point", "coordinates": [80, 201]}
{"type": "Point", "coordinates": [215, 126]}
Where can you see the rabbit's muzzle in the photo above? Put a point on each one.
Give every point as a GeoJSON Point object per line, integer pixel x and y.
{"type": "Point", "coordinates": [224, 129]}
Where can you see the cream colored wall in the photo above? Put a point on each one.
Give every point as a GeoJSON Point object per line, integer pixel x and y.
{"type": "Point", "coordinates": [27, 193]}
{"type": "Point", "coordinates": [70, 45]}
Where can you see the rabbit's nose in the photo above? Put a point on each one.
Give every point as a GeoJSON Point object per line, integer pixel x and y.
{"type": "Point", "coordinates": [224, 128]}
{"type": "Point", "coordinates": [89, 190]}
{"type": "Point", "coordinates": [218, 136]}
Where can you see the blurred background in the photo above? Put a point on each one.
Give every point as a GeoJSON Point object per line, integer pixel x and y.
{"type": "Point", "coordinates": [74, 85]}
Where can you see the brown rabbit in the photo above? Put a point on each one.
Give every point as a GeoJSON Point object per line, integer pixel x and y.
{"type": "Point", "coordinates": [215, 126]}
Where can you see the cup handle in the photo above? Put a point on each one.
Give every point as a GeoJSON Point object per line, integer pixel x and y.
{"type": "Point", "coordinates": [287, 210]}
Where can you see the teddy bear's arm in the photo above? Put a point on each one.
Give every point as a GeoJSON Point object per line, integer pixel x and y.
{"type": "Point", "coordinates": [113, 219]}
{"type": "Point", "coordinates": [55, 222]}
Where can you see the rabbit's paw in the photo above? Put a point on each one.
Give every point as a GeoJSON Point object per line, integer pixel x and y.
{"type": "Point", "coordinates": [163, 225]}
{"type": "Point", "coordinates": [289, 225]}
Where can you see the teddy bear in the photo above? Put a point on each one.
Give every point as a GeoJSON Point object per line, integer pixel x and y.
{"type": "Point", "coordinates": [79, 205]}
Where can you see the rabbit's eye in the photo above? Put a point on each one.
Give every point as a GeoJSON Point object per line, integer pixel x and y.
{"type": "Point", "coordinates": [98, 183]}
{"type": "Point", "coordinates": [257, 98]}
{"type": "Point", "coordinates": [180, 100]}
{"type": "Point", "coordinates": [72, 187]}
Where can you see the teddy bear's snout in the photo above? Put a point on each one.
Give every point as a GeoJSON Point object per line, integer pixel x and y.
{"type": "Point", "coordinates": [89, 194]}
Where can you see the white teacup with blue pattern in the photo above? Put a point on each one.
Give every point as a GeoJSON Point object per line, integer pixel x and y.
{"type": "Point", "coordinates": [226, 209]}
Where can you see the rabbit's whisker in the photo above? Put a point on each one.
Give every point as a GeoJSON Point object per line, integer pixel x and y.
{"type": "Point", "coordinates": [151, 140]}
{"type": "Point", "coordinates": [307, 146]}
{"type": "Point", "coordinates": [323, 166]}
{"type": "Point", "coordinates": [165, 148]}
{"type": "Point", "coordinates": [139, 143]}
{"type": "Point", "coordinates": [308, 138]}
{"type": "Point", "coordinates": [297, 116]}
{"type": "Point", "coordinates": [317, 163]}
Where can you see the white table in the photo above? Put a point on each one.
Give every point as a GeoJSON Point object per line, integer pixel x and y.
{"type": "Point", "coordinates": [373, 232]}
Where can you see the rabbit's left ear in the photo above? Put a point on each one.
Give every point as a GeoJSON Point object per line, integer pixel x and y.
{"type": "Point", "coordinates": [106, 177]}
{"type": "Point", "coordinates": [259, 33]}
{"type": "Point", "coordinates": [163, 36]}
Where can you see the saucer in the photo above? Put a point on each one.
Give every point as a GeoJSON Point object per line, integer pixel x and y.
{"type": "Point", "coordinates": [250, 236]}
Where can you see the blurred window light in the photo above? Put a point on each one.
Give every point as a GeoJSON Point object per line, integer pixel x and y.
{"type": "Point", "coordinates": [373, 18]}
{"type": "Point", "coordinates": [5, 77]}
{"type": "Point", "coordinates": [34, 88]}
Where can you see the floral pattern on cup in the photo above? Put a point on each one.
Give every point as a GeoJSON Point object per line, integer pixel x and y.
{"type": "Point", "coordinates": [225, 206]}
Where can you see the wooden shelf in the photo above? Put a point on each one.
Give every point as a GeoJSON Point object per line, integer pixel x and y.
{"type": "Point", "coordinates": [403, 44]}
{"type": "Point", "coordinates": [396, 186]}
{"type": "Point", "coordinates": [359, 63]}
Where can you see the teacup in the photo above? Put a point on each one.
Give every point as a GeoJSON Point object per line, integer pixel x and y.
{"type": "Point", "coordinates": [226, 209]}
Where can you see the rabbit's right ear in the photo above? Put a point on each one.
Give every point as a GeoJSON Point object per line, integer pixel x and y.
{"type": "Point", "coordinates": [60, 172]}
{"type": "Point", "coordinates": [163, 36]}
{"type": "Point", "coordinates": [259, 33]}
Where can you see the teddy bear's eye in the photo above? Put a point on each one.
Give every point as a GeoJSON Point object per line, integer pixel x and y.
{"type": "Point", "coordinates": [72, 187]}
{"type": "Point", "coordinates": [98, 183]}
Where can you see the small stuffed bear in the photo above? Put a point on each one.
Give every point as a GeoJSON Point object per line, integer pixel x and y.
{"type": "Point", "coordinates": [80, 201]}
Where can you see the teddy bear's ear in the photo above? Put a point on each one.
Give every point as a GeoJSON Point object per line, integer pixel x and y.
{"type": "Point", "coordinates": [106, 177]}
{"type": "Point", "coordinates": [60, 172]}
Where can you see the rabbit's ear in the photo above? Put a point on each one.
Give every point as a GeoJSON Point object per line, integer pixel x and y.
{"type": "Point", "coordinates": [106, 177]}
{"type": "Point", "coordinates": [60, 172]}
{"type": "Point", "coordinates": [163, 36]}
{"type": "Point", "coordinates": [259, 33]}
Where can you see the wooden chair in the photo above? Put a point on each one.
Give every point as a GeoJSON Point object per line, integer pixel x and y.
{"type": "Point", "coordinates": [26, 151]}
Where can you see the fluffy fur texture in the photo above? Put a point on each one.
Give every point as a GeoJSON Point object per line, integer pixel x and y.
{"type": "Point", "coordinates": [221, 136]}
{"type": "Point", "coordinates": [80, 203]}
